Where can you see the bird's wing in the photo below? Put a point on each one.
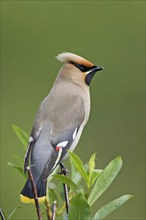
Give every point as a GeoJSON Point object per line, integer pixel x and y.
{"type": "Point", "coordinates": [35, 133]}
{"type": "Point", "coordinates": [28, 152]}
{"type": "Point", "coordinates": [55, 129]}
{"type": "Point", "coordinates": [60, 146]}
{"type": "Point", "coordinates": [30, 145]}
{"type": "Point", "coordinates": [66, 124]}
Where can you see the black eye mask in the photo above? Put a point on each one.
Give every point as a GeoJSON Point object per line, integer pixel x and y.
{"type": "Point", "coordinates": [91, 71]}
{"type": "Point", "coordinates": [82, 68]}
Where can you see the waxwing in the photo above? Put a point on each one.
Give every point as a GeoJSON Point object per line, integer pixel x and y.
{"type": "Point", "coordinates": [59, 122]}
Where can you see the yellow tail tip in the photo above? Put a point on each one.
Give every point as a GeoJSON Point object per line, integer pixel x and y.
{"type": "Point", "coordinates": [26, 199]}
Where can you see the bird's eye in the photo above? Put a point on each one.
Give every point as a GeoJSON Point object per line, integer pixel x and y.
{"type": "Point", "coordinates": [82, 68]}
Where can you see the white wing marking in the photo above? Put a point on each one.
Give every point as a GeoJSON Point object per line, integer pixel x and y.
{"type": "Point", "coordinates": [74, 134]}
{"type": "Point", "coordinates": [58, 158]}
{"type": "Point", "coordinates": [31, 139]}
{"type": "Point", "coordinates": [29, 142]}
{"type": "Point", "coordinates": [62, 144]}
{"type": "Point", "coordinates": [59, 148]}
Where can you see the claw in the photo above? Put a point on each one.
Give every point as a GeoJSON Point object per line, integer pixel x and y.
{"type": "Point", "coordinates": [64, 171]}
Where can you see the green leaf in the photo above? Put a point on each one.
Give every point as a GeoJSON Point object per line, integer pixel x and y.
{"type": "Point", "coordinates": [79, 165]}
{"type": "Point", "coordinates": [22, 135]}
{"type": "Point", "coordinates": [2, 214]}
{"type": "Point", "coordinates": [52, 196]}
{"type": "Point", "coordinates": [74, 172]}
{"type": "Point", "coordinates": [91, 166]}
{"type": "Point", "coordinates": [75, 175]}
{"type": "Point", "coordinates": [20, 169]}
{"type": "Point", "coordinates": [65, 216]}
{"type": "Point", "coordinates": [110, 207]}
{"type": "Point", "coordinates": [105, 179]}
{"type": "Point", "coordinates": [66, 180]}
{"type": "Point", "coordinates": [94, 175]}
{"type": "Point", "coordinates": [92, 163]}
{"type": "Point", "coordinates": [12, 213]}
{"type": "Point", "coordinates": [79, 209]}
{"type": "Point", "coordinates": [19, 159]}
{"type": "Point", "coordinates": [50, 177]}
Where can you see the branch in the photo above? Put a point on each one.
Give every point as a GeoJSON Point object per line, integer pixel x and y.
{"type": "Point", "coordinates": [48, 211]}
{"type": "Point", "coordinates": [2, 214]}
{"type": "Point", "coordinates": [35, 193]}
{"type": "Point", "coordinates": [54, 210]}
{"type": "Point", "coordinates": [64, 172]}
{"type": "Point", "coordinates": [66, 196]}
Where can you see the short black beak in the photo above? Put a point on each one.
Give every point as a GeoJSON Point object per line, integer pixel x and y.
{"type": "Point", "coordinates": [91, 73]}
{"type": "Point", "coordinates": [97, 68]}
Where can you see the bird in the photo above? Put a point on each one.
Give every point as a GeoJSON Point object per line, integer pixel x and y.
{"type": "Point", "coordinates": [59, 122]}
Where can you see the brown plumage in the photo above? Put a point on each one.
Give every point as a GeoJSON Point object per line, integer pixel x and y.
{"type": "Point", "coordinates": [70, 57]}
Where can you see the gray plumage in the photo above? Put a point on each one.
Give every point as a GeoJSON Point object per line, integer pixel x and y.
{"type": "Point", "coordinates": [59, 121]}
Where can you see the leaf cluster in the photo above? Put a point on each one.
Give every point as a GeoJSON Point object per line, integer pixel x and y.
{"type": "Point", "coordinates": [86, 184]}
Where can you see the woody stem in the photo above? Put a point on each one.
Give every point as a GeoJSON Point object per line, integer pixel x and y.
{"type": "Point", "coordinates": [35, 193]}
{"type": "Point", "coordinates": [64, 172]}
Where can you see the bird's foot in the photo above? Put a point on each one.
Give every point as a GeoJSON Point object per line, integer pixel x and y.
{"type": "Point", "coordinates": [64, 171]}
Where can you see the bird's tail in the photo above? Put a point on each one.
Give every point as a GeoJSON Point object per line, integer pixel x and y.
{"type": "Point", "coordinates": [27, 194]}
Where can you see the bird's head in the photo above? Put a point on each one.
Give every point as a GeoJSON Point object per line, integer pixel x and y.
{"type": "Point", "coordinates": [77, 69]}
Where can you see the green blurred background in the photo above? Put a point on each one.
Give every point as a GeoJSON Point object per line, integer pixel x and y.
{"type": "Point", "coordinates": [110, 34]}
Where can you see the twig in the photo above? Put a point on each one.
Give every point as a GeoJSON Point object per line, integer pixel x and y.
{"type": "Point", "coordinates": [48, 211]}
{"type": "Point", "coordinates": [64, 172]}
{"type": "Point", "coordinates": [2, 214]}
{"type": "Point", "coordinates": [54, 210]}
{"type": "Point", "coordinates": [35, 193]}
{"type": "Point", "coordinates": [66, 197]}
